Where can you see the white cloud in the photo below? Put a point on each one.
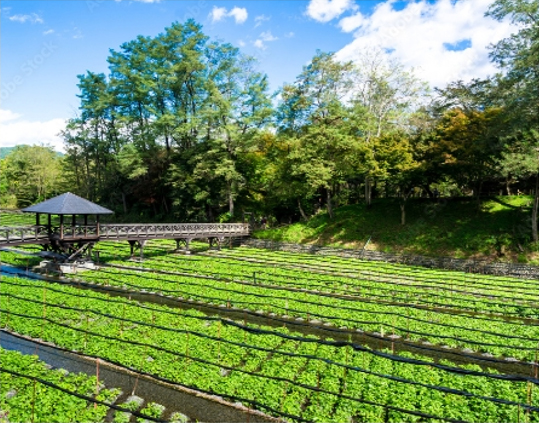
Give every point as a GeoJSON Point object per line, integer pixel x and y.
{"type": "Point", "coordinates": [326, 10]}
{"type": "Point", "coordinates": [218, 13]}
{"type": "Point", "coordinates": [259, 19]}
{"type": "Point", "coordinates": [48, 32]}
{"type": "Point", "coordinates": [238, 13]}
{"type": "Point", "coordinates": [32, 18]}
{"type": "Point", "coordinates": [289, 34]}
{"type": "Point", "coordinates": [7, 115]}
{"type": "Point", "coordinates": [241, 43]}
{"type": "Point", "coordinates": [418, 35]}
{"type": "Point", "coordinates": [350, 23]}
{"type": "Point", "coordinates": [265, 36]}
{"type": "Point", "coordinates": [16, 131]}
{"type": "Point", "coordinates": [259, 44]}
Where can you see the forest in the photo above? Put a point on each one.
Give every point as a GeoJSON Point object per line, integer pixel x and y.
{"type": "Point", "coordinates": [185, 128]}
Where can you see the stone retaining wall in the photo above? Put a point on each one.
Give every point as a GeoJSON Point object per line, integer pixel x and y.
{"type": "Point", "coordinates": [465, 265]}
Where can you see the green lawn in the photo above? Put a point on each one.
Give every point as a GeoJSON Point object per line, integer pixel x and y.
{"type": "Point", "coordinates": [499, 229]}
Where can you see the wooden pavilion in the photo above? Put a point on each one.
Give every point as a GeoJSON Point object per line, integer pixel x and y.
{"type": "Point", "coordinates": [70, 236]}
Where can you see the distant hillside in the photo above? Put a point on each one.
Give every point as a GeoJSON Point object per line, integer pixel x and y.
{"type": "Point", "coordinates": [499, 230]}
{"type": "Point", "coordinates": [4, 151]}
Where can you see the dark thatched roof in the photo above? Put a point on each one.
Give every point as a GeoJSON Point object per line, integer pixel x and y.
{"type": "Point", "coordinates": [67, 204]}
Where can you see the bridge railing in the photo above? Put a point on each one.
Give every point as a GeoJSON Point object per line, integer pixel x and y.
{"type": "Point", "coordinates": [28, 234]}
{"type": "Point", "coordinates": [77, 231]}
{"type": "Point", "coordinates": [171, 230]}
{"type": "Point", "coordinates": [21, 234]}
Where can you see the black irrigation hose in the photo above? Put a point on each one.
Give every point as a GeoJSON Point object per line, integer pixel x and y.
{"type": "Point", "coordinates": [161, 379]}
{"type": "Point", "coordinates": [391, 297]}
{"type": "Point", "coordinates": [378, 278]}
{"type": "Point", "coordinates": [353, 274]}
{"type": "Point", "coordinates": [251, 313]}
{"type": "Point", "coordinates": [284, 336]}
{"type": "Point", "coordinates": [403, 330]}
{"type": "Point", "coordinates": [366, 322]}
{"type": "Point", "coordinates": [131, 270]}
{"type": "Point", "coordinates": [81, 396]}
{"type": "Point", "coordinates": [306, 356]}
{"type": "Point", "coordinates": [371, 295]}
{"type": "Point", "coordinates": [357, 310]}
{"type": "Point", "coordinates": [339, 260]}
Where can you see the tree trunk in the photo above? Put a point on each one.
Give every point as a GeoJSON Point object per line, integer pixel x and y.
{"type": "Point", "coordinates": [535, 210]}
{"type": "Point", "coordinates": [479, 188]}
{"type": "Point", "coordinates": [368, 191]}
{"type": "Point", "coordinates": [403, 212]}
{"type": "Point", "coordinates": [301, 211]}
{"type": "Point", "coordinates": [124, 202]}
{"type": "Point", "coordinates": [328, 203]}
{"type": "Point", "coordinates": [230, 201]}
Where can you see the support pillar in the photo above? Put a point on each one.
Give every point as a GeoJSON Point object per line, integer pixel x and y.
{"type": "Point", "coordinates": [182, 245]}
{"type": "Point", "coordinates": [134, 244]}
{"type": "Point", "coordinates": [215, 242]}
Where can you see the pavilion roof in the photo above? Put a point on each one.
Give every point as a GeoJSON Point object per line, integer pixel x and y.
{"type": "Point", "coordinates": [67, 203]}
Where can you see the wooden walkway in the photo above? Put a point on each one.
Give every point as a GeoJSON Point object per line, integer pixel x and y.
{"type": "Point", "coordinates": [42, 234]}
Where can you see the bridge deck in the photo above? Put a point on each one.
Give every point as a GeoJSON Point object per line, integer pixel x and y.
{"type": "Point", "coordinates": [41, 234]}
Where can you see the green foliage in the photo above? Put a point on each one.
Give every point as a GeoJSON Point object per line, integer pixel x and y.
{"type": "Point", "coordinates": [29, 174]}
{"type": "Point", "coordinates": [20, 403]}
{"type": "Point", "coordinates": [280, 368]}
{"type": "Point", "coordinates": [449, 228]}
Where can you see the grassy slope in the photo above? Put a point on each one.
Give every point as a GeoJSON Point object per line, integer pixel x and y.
{"type": "Point", "coordinates": [497, 230]}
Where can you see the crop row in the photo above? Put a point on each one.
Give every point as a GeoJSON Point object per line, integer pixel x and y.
{"type": "Point", "coordinates": [387, 287]}
{"type": "Point", "coordinates": [355, 266]}
{"type": "Point", "coordinates": [485, 334]}
{"type": "Point", "coordinates": [24, 399]}
{"type": "Point", "coordinates": [302, 378]}
{"type": "Point", "coordinates": [490, 335]}
{"type": "Point", "coordinates": [517, 306]}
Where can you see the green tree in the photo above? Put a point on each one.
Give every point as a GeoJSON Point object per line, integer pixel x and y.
{"type": "Point", "coordinates": [33, 174]}
{"type": "Point", "coordinates": [518, 58]}
{"type": "Point", "coordinates": [387, 96]}
{"type": "Point", "coordinates": [312, 114]}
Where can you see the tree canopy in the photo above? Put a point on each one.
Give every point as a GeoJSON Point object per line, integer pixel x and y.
{"type": "Point", "coordinates": [183, 127]}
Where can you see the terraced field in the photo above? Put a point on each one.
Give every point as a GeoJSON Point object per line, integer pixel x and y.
{"type": "Point", "coordinates": [297, 336]}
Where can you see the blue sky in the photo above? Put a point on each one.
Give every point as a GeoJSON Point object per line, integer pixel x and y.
{"type": "Point", "coordinates": [45, 44]}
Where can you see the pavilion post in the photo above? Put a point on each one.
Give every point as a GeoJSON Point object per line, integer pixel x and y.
{"type": "Point", "coordinates": [49, 223]}
{"type": "Point", "coordinates": [97, 221]}
{"type": "Point", "coordinates": [61, 226]}
{"type": "Point", "coordinates": [73, 224]}
{"type": "Point", "coordinates": [85, 225]}
{"type": "Point", "coordinates": [37, 219]}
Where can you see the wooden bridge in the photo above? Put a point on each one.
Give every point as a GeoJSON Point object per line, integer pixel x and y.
{"type": "Point", "coordinates": [135, 234]}
{"type": "Point", "coordinates": [72, 237]}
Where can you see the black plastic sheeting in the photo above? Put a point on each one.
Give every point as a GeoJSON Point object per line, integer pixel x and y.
{"type": "Point", "coordinates": [298, 339]}
{"type": "Point", "coordinates": [127, 293]}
